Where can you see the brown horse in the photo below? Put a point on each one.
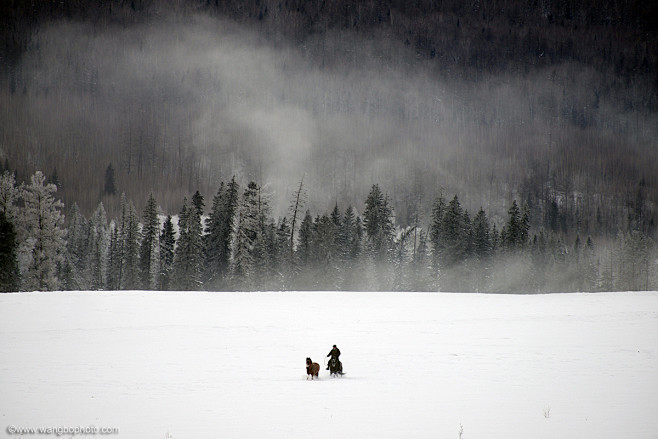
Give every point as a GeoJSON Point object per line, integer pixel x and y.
{"type": "Point", "coordinates": [312, 369]}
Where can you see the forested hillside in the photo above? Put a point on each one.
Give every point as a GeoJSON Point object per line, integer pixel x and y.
{"type": "Point", "coordinates": [553, 105]}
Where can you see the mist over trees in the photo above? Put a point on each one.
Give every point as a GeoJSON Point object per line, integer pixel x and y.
{"type": "Point", "coordinates": [491, 101]}
{"type": "Point", "coordinates": [551, 107]}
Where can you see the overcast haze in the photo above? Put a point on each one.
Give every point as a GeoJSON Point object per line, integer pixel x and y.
{"type": "Point", "coordinates": [182, 103]}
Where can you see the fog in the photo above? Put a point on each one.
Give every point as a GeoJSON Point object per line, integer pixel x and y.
{"type": "Point", "coordinates": [181, 104]}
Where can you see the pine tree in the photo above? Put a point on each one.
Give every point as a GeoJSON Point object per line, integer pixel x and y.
{"type": "Point", "coordinates": [453, 233]}
{"type": "Point", "coordinates": [8, 196]}
{"type": "Point", "coordinates": [264, 247]}
{"type": "Point", "coordinates": [435, 234]}
{"type": "Point", "coordinates": [45, 244]}
{"type": "Point", "coordinates": [9, 273]}
{"type": "Point", "coordinates": [99, 241]}
{"type": "Point", "coordinates": [149, 254]}
{"type": "Point", "coordinates": [305, 241]}
{"type": "Point", "coordinates": [482, 245]}
{"type": "Point", "coordinates": [213, 237]}
{"type": "Point", "coordinates": [117, 262]}
{"type": "Point", "coordinates": [517, 228]}
{"type": "Point", "coordinates": [167, 244]}
{"type": "Point", "coordinates": [77, 249]}
{"type": "Point", "coordinates": [198, 203]}
{"type": "Point", "coordinates": [337, 220]}
{"type": "Point", "coordinates": [244, 260]}
{"type": "Point", "coordinates": [115, 258]}
{"type": "Point", "coordinates": [132, 239]}
{"type": "Point", "coordinates": [188, 256]}
{"type": "Point", "coordinates": [378, 223]}
{"type": "Point", "coordinates": [219, 239]}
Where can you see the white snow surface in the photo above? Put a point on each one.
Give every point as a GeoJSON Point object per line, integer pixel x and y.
{"type": "Point", "coordinates": [418, 365]}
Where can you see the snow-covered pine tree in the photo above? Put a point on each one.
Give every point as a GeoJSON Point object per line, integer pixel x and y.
{"type": "Point", "coordinates": [188, 256]}
{"type": "Point", "coordinates": [116, 263]}
{"type": "Point", "coordinates": [517, 228]}
{"type": "Point", "coordinates": [198, 203]}
{"type": "Point", "coordinates": [265, 245]}
{"type": "Point", "coordinates": [167, 245]}
{"type": "Point", "coordinates": [481, 236]}
{"type": "Point", "coordinates": [435, 232]}
{"type": "Point", "coordinates": [132, 239]}
{"type": "Point", "coordinates": [495, 240]}
{"type": "Point", "coordinates": [229, 216]}
{"type": "Point", "coordinates": [213, 238]}
{"type": "Point", "coordinates": [99, 240]}
{"type": "Point", "coordinates": [356, 249]}
{"type": "Point", "coordinates": [77, 249]}
{"type": "Point", "coordinates": [243, 269]}
{"type": "Point", "coordinates": [9, 194]}
{"type": "Point", "coordinates": [220, 228]}
{"type": "Point", "coordinates": [43, 223]}
{"type": "Point", "coordinates": [9, 273]}
{"type": "Point", "coordinates": [378, 224]}
{"type": "Point", "coordinates": [453, 233]}
{"type": "Point", "coordinates": [337, 220]}
{"type": "Point", "coordinates": [115, 257]}
{"type": "Point", "coordinates": [453, 243]}
{"type": "Point", "coordinates": [149, 253]}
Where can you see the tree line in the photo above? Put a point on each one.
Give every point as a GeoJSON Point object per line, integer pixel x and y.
{"type": "Point", "coordinates": [236, 244]}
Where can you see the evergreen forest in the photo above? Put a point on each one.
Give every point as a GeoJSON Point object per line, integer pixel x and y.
{"type": "Point", "coordinates": [232, 242]}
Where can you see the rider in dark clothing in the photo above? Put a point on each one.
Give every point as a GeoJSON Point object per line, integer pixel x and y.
{"type": "Point", "coordinates": [334, 353]}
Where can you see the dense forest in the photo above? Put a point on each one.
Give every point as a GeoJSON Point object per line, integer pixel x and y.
{"type": "Point", "coordinates": [549, 106]}
{"type": "Point", "coordinates": [238, 245]}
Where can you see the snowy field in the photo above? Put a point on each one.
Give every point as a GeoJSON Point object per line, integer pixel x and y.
{"type": "Point", "coordinates": [231, 365]}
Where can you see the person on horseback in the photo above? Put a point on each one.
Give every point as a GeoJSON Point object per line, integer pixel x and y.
{"type": "Point", "coordinates": [334, 354]}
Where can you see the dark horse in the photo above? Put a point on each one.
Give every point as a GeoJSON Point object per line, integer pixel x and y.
{"type": "Point", "coordinates": [312, 369]}
{"type": "Point", "coordinates": [335, 366]}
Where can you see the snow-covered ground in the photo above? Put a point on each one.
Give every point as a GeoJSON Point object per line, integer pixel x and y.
{"type": "Point", "coordinates": [419, 365]}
